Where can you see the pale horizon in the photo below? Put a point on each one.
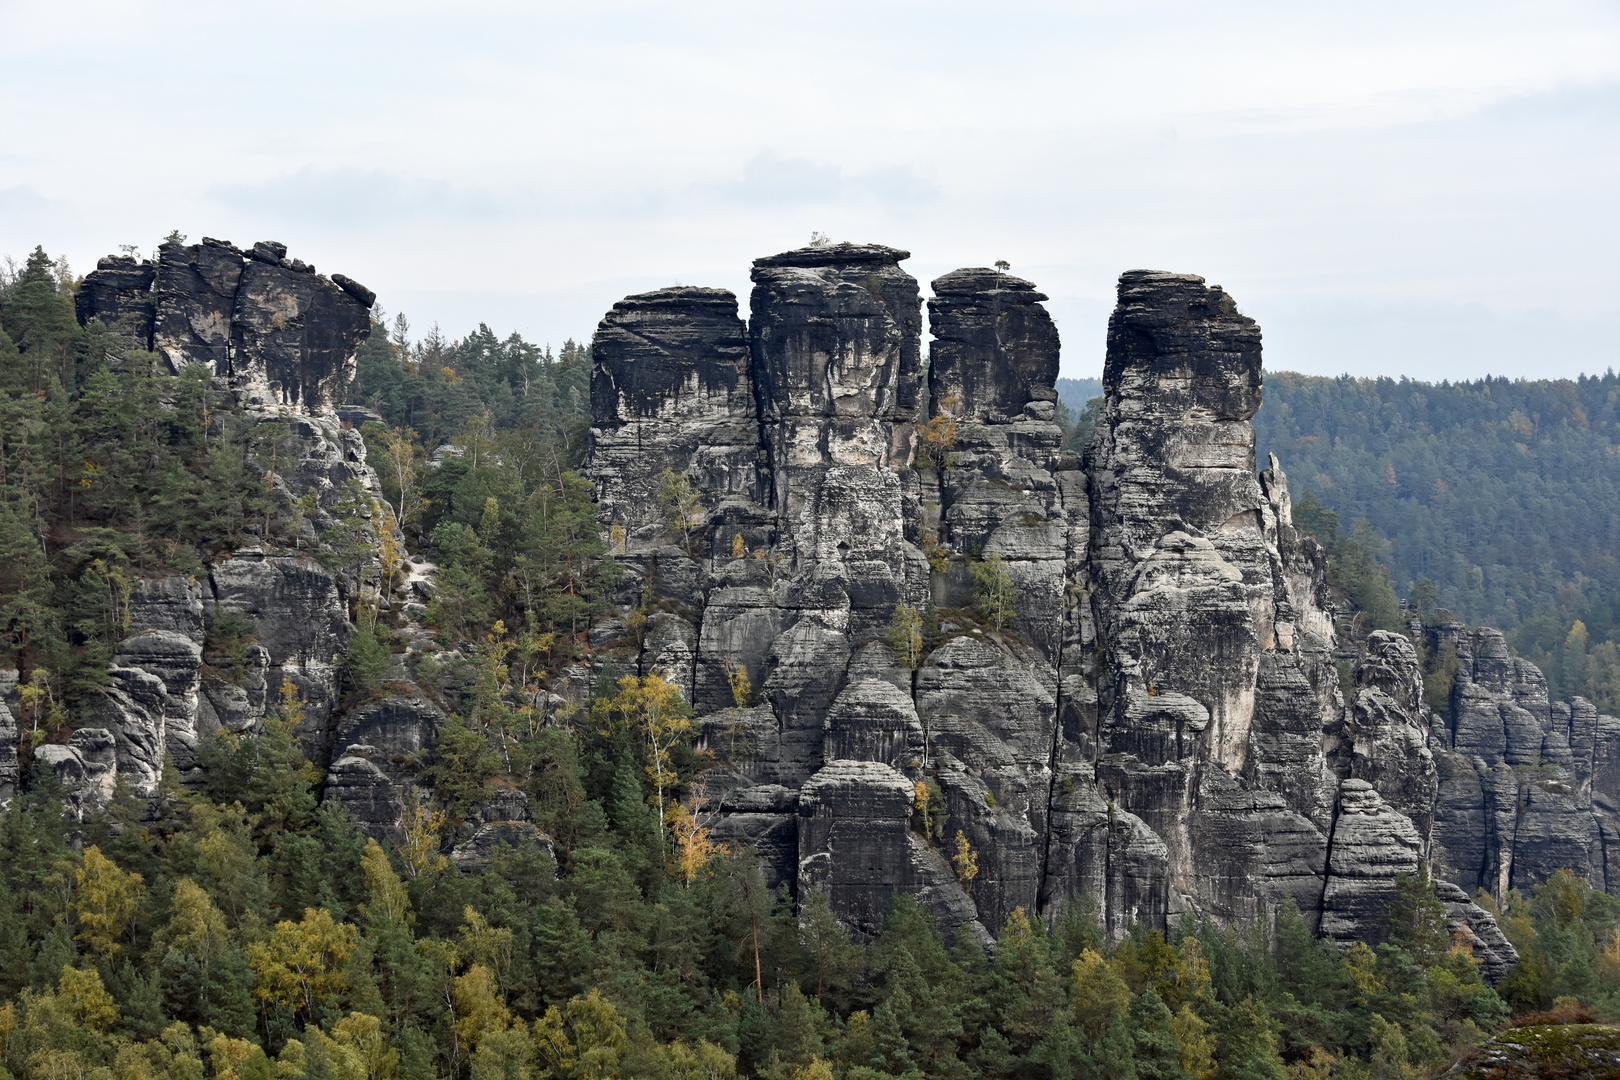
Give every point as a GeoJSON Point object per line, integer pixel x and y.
{"type": "Point", "coordinates": [1386, 190]}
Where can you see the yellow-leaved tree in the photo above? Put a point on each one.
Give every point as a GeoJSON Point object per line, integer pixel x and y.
{"type": "Point", "coordinates": [584, 1039]}
{"type": "Point", "coordinates": [303, 963]}
{"type": "Point", "coordinates": [85, 999]}
{"type": "Point", "coordinates": [1099, 996]}
{"type": "Point", "coordinates": [196, 929]}
{"type": "Point", "coordinates": [387, 901]}
{"type": "Point", "coordinates": [106, 899]}
{"type": "Point", "coordinates": [480, 1011]}
{"type": "Point", "coordinates": [654, 706]}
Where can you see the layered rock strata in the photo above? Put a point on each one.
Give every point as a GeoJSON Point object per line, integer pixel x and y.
{"type": "Point", "coordinates": [1527, 786]}
{"type": "Point", "coordinates": [270, 329]}
{"type": "Point", "coordinates": [1158, 721]}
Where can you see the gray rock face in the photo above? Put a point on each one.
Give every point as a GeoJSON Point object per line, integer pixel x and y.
{"type": "Point", "coordinates": [994, 345]}
{"type": "Point", "coordinates": [1391, 740]}
{"type": "Point", "coordinates": [1372, 842]}
{"type": "Point", "coordinates": [274, 331]}
{"type": "Point", "coordinates": [1467, 922]}
{"type": "Point", "coordinates": [1526, 785]}
{"type": "Point", "coordinates": [119, 292]}
{"type": "Point", "coordinates": [1215, 687]}
{"type": "Point", "coordinates": [280, 341]}
{"type": "Point", "coordinates": [472, 856]}
{"type": "Point", "coordinates": [1160, 723]}
{"type": "Point", "coordinates": [87, 769]}
{"type": "Point", "coordinates": [300, 618]}
{"type": "Point", "coordinates": [383, 743]}
{"type": "Point", "coordinates": [10, 775]}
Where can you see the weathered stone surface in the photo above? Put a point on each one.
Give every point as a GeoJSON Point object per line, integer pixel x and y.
{"type": "Point", "coordinates": [856, 845]}
{"type": "Point", "coordinates": [1372, 842]}
{"type": "Point", "coordinates": [383, 743]}
{"type": "Point", "coordinates": [1472, 925]}
{"type": "Point", "coordinates": [195, 292]}
{"type": "Point", "coordinates": [1212, 706]}
{"type": "Point", "coordinates": [1527, 786]}
{"type": "Point", "coordinates": [86, 767]}
{"type": "Point", "coordinates": [10, 775]}
{"type": "Point", "coordinates": [1159, 725]}
{"type": "Point", "coordinates": [671, 389]}
{"type": "Point", "coordinates": [995, 349]}
{"type": "Point", "coordinates": [119, 292]}
{"type": "Point", "coordinates": [473, 855]}
{"type": "Point", "coordinates": [274, 331]}
{"type": "Point", "coordinates": [173, 604]}
{"type": "Point", "coordinates": [1391, 740]}
{"type": "Point", "coordinates": [1543, 1051]}
{"type": "Point", "coordinates": [300, 619]}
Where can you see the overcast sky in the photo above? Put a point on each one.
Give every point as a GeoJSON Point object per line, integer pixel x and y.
{"type": "Point", "coordinates": [1389, 188]}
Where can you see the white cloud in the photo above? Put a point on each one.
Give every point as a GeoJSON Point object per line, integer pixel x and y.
{"type": "Point", "coordinates": [1370, 180]}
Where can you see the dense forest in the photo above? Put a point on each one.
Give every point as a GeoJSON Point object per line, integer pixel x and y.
{"type": "Point", "coordinates": [240, 930]}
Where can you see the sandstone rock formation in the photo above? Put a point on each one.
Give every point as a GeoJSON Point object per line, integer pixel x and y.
{"type": "Point", "coordinates": [271, 330]}
{"type": "Point", "coordinates": [1158, 721]}
{"type": "Point", "coordinates": [1527, 786]}
{"type": "Point", "coordinates": [1158, 724]}
{"type": "Point", "coordinates": [279, 340]}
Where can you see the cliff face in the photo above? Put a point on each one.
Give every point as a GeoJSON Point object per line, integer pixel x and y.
{"type": "Point", "coordinates": [1158, 724]}
{"type": "Point", "coordinates": [280, 342]}
{"type": "Point", "coordinates": [1152, 716]}
{"type": "Point", "coordinates": [272, 329]}
{"type": "Point", "coordinates": [1527, 786]}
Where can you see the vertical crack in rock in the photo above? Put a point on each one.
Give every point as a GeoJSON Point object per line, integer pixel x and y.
{"type": "Point", "coordinates": [1159, 722]}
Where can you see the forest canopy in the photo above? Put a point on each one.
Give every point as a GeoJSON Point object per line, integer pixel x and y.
{"type": "Point", "coordinates": [240, 929]}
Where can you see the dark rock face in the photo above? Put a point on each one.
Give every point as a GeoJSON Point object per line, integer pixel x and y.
{"type": "Point", "coordinates": [994, 345]}
{"type": "Point", "coordinates": [274, 331]}
{"type": "Point", "coordinates": [119, 292]}
{"type": "Point", "coordinates": [473, 856]}
{"type": "Point", "coordinates": [672, 390]}
{"type": "Point", "coordinates": [378, 747]}
{"type": "Point", "coordinates": [1217, 681]}
{"type": "Point", "coordinates": [195, 294]}
{"type": "Point", "coordinates": [10, 773]}
{"type": "Point", "coordinates": [280, 341]}
{"type": "Point", "coordinates": [1159, 725]}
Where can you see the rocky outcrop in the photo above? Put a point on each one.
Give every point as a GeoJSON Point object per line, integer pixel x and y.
{"type": "Point", "coordinates": [383, 746]}
{"type": "Point", "coordinates": [475, 854]}
{"type": "Point", "coordinates": [1215, 684]}
{"type": "Point", "coordinates": [1157, 720]}
{"type": "Point", "coordinates": [674, 393]}
{"type": "Point", "coordinates": [119, 293]}
{"type": "Point", "coordinates": [86, 768]}
{"type": "Point", "coordinates": [1390, 739]}
{"type": "Point", "coordinates": [1372, 843]}
{"type": "Point", "coordinates": [993, 343]}
{"type": "Point", "coordinates": [1527, 785]}
{"type": "Point", "coordinates": [1471, 925]}
{"type": "Point", "coordinates": [11, 772]}
{"type": "Point", "coordinates": [269, 329]}
{"type": "Point", "coordinates": [279, 341]}
{"type": "Point", "coordinates": [1150, 714]}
